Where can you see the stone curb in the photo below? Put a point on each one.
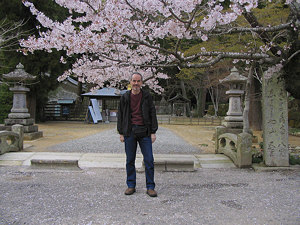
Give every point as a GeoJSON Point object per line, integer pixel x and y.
{"type": "Point", "coordinates": [263, 168]}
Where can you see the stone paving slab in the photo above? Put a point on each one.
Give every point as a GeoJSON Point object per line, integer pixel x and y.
{"type": "Point", "coordinates": [216, 161]}
{"type": "Point", "coordinates": [106, 160]}
{"type": "Point", "coordinates": [97, 160]}
{"type": "Point", "coordinates": [16, 156]}
{"type": "Point", "coordinates": [11, 163]}
{"type": "Point", "coordinates": [211, 156]}
{"type": "Point", "coordinates": [217, 165]}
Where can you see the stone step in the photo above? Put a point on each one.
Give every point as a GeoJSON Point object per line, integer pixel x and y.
{"type": "Point", "coordinates": [172, 165]}
{"type": "Point", "coordinates": [54, 163]}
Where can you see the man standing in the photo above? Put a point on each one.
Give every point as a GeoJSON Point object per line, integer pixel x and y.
{"type": "Point", "coordinates": [137, 123]}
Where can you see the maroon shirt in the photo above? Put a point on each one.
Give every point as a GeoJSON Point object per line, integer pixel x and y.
{"type": "Point", "coordinates": [136, 111]}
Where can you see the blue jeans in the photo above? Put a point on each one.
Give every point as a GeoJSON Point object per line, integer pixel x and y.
{"type": "Point", "coordinates": [146, 149]}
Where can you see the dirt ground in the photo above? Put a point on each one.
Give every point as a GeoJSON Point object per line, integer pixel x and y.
{"type": "Point", "coordinates": [59, 132]}
{"type": "Point", "coordinates": [62, 131]}
{"type": "Point", "coordinates": [201, 136]}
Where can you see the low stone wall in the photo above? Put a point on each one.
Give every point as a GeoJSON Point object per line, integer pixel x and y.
{"type": "Point", "coordinates": [183, 120]}
{"type": "Point", "coordinates": [12, 141]}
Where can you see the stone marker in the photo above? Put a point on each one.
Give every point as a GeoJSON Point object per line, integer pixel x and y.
{"type": "Point", "coordinates": [275, 122]}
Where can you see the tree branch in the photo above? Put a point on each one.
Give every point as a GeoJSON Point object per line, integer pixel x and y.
{"type": "Point", "coordinates": [250, 29]}
{"type": "Point", "coordinates": [87, 2]}
{"type": "Point", "coordinates": [293, 55]}
{"type": "Point", "coordinates": [155, 47]}
{"type": "Point", "coordinates": [173, 14]}
{"type": "Point", "coordinates": [252, 20]}
{"type": "Point", "coordinates": [236, 55]}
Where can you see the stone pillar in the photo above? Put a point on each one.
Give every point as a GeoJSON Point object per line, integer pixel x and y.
{"type": "Point", "coordinates": [234, 116]}
{"type": "Point", "coordinates": [244, 155]}
{"type": "Point", "coordinates": [19, 129]}
{"type": "Point", "coordinates": [275, 122]}
{"type": "Point", "coordinates": [19, 109]}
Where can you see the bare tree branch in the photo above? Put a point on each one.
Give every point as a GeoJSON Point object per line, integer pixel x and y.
{"type": "Point", "coordinates": [10, 33]}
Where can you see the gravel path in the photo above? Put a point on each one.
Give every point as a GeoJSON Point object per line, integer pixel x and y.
{"type": "Point", "coordinates": [108, 142]}
{"type": "Point", "coordinates": [207, 196]}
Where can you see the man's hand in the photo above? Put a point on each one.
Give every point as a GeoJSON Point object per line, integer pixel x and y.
{"type": "Point", "coordinates": [121, 138]}
{"type": "Point", "coordinates": [153, 138]}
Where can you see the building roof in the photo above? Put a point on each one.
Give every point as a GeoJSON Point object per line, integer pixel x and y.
{"type": "Point", "coordinates": [179, 98]}
{"type": "Point", "coordinates": [108, 92]}
{"type": "Point", "coordinates": [65, 101]}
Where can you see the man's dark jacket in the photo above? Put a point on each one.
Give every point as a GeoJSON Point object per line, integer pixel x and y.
{"type": "Point", "coordinates": [148, 113]}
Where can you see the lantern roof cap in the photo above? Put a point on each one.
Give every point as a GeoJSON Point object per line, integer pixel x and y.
{"type": "Point", "coordinates": [234, 77]}
{"type": "Point", "coordinates": [19, 74]}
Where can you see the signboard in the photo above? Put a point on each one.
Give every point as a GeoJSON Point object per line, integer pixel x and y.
{"type": "Point", "coordinates": [96, 109]}
{"type": "Point", "coordinates": [93, 114]}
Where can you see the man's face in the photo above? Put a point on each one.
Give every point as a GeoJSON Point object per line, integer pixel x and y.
{"type": "Point", "coordinates": [136, 82]}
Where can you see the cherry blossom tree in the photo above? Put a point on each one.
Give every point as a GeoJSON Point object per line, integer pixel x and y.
{"type": "Point", "coordinates": [116, 37]}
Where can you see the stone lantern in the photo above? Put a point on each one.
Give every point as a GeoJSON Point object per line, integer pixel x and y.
{"type": "Point", "coordinates": [236, 82]}
{"type": "Point", "coordinates": [19, 112]}
{"type": "Point", "coordinates": [229, 138]}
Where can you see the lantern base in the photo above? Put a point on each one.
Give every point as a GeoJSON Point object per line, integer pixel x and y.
{"type": "Point", "coordinates": [232, 124]}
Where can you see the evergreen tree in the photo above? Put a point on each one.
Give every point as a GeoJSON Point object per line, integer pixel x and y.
{"type": "Point", "coordinates": [45, 66]}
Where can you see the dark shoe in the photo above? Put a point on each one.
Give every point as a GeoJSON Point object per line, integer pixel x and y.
{"type": "Point", "coordinates": [151, 193]}
{"type": "Point", "coordinates": [129, 191]}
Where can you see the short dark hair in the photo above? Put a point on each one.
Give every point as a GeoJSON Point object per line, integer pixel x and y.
{"type": "Point", "coordinates": [137, 74]}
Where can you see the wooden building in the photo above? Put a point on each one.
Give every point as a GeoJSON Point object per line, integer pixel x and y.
{"type": "Point", "coordinates": [108, 101]}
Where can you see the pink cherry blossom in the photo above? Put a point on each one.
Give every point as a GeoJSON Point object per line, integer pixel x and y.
{"type": "Point", "coordinates": [118, 36]}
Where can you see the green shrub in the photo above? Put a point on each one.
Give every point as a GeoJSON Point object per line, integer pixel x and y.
{"type": "Point", "coordinates": [294, 131]}
{"type": "Point", "coordinates": [223, 108]}
{"type": "Point", "coordinates": [210, 110]}
{"type": "Point", "coordinates": [6, 99]}
{"type": "Point", "coordinates": [257, 155]}
{"type": "Point", "coordinates": [294, 160]}
{"type": "Point", "coordinates": [294, 112]}
{"type": "Point", "coordinates": [294, 119]}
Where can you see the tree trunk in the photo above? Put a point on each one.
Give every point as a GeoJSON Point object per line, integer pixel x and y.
{"type": "Point", "coordinates": [246, 128]}
{"type": "Point", "coordinates": [79, 92]}
{"type": "Point", "coordinates": [255, 110]}
{"type": "Point", "coordinates": [188, 111]}
{"type": "Point", "coordinates": [31, 105]}
{"type": "Point", "coordinates": [200, 98]}
{"type": "Point", "coordinates": [214, 99]}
